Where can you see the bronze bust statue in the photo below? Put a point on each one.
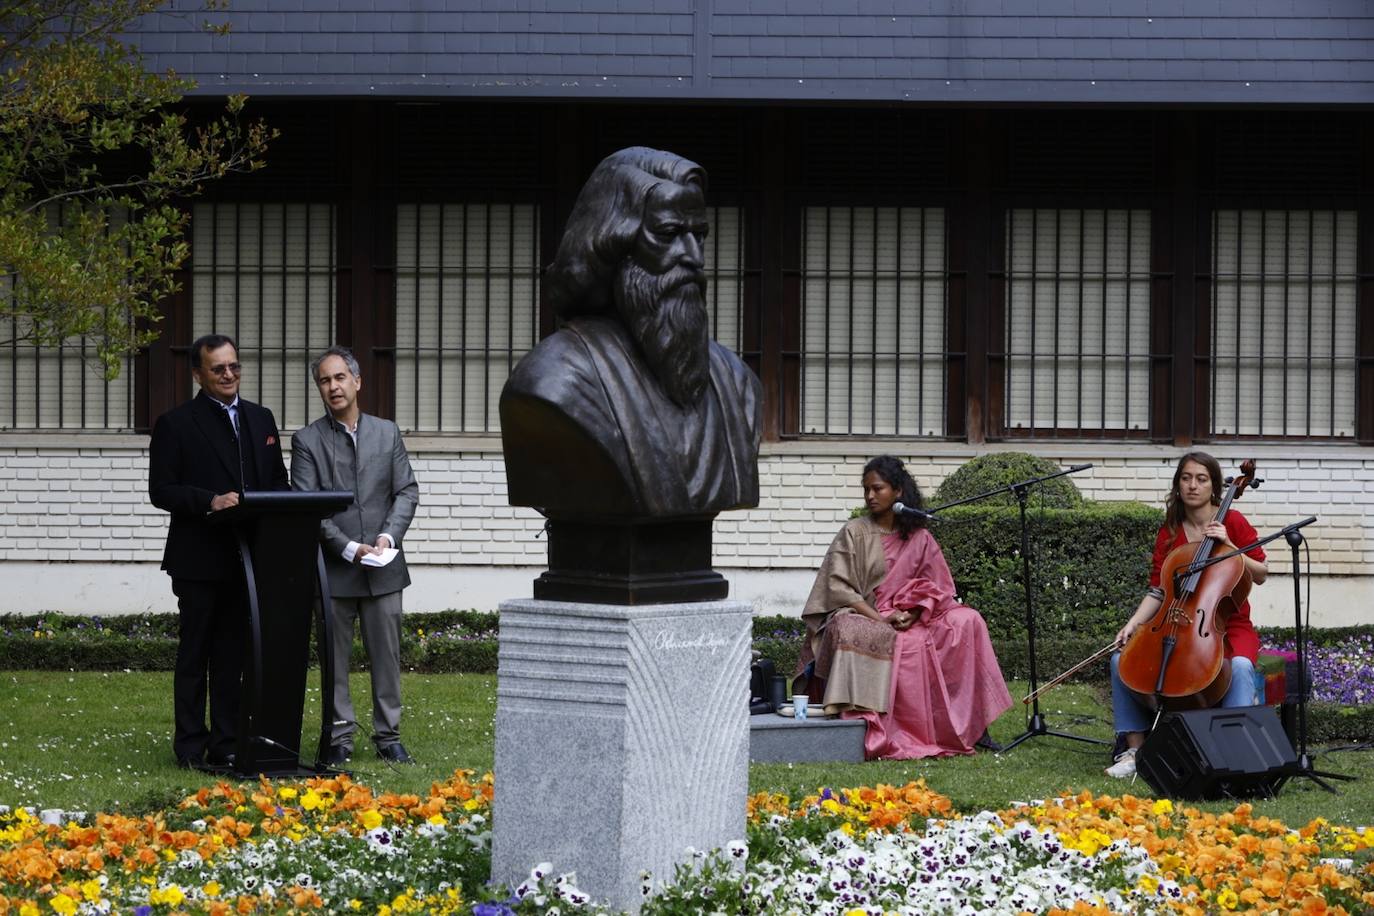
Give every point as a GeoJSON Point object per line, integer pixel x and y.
{"type": "Point", "coordinates": [629, 409]}
{"type": "Point", "coordinates": [628, 427]}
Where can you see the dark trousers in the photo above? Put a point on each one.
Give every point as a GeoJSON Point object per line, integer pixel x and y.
{"type": "Point", "coordinates": [213, 634]}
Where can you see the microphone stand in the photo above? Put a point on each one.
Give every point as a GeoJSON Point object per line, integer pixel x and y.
{"type": "Point", "coordinates": [1036, 726]}
{"type": "Point", "coordinates": [1305, 767]}
{"type": "Point", "coordinates": [1293, 535]}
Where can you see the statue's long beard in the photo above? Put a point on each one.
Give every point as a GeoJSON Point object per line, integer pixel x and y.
{"type": "Point", "coordinates": [667, 318]}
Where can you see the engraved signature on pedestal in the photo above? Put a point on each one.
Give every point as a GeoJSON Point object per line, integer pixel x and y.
{"type": "Point", "coordinates": [669, 641]}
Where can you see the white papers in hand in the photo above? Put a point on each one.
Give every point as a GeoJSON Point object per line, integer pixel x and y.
{"type": "Point", "coordinates": [380, 559]}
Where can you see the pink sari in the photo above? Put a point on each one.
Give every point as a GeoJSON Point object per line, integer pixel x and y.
{"type": "Point", "coordinates": [943, 684]}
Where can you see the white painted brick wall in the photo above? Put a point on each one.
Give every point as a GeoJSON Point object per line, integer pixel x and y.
{"type": "Point", "coordinates": [72, 499]}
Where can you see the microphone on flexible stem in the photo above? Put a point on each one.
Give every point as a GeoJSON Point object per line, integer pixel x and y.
{"type": "Point", "coordinates": [902, 509]}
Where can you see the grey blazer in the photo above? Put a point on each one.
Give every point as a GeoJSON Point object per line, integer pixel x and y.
{"type": "Point", "coordinates": [385, 497]}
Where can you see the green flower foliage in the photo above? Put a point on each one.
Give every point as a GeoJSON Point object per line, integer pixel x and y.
{"type": "Point", "coordinates": [94, 160]}
{"type": "Point", "coordinates": [1002, 469]}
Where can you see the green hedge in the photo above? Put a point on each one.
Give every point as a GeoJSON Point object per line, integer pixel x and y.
{"type": "Point", "coordinates": [1089, 567]}
{"type": "Point", "coordinates": [440, 642]}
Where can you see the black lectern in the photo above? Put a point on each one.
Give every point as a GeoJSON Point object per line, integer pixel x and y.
{"type": "Point", "coordinates": [278, 534]}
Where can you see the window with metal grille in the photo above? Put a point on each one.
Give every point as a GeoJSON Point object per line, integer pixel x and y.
{"type": "Point", "coordinates": [59, 387]}
{"type": "Point", "coordinates": [467, 306]}
{"type": "Point", "coordinates": [873, 350]}
{"type": "Point", "coordinates": [264, 274]}
{"type": "Point", "coordinates": [1283, 323]}
{"type": "Point", "coordinates": [64, 386]}
{"type": "Point", "coordinates": [1077, 322]}
{"type": "Point", "coordinates": [725, 276]}
{"type": "Point", "coordinates": [467, 309]}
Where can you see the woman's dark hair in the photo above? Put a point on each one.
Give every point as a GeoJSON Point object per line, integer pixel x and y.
{"type": "Point", "coordinates": [1174, 510]}
{"type": "Point", "coordinates": [895, 473]}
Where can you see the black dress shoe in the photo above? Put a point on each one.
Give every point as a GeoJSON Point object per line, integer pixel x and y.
{"type": "Point", "coordinates": [987, 744]}
{"type": "Point", "coordinates": [188, 763]}
{"type": "Point", "coordinates": [225, 762]}
{"type": "Point", "coordinates": [338, 755]}
{"type": "Point", "coordinates": [396, 753]}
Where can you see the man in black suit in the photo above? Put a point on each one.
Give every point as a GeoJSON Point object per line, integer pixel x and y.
{"type": "Point", "coordinates": [204, 455]}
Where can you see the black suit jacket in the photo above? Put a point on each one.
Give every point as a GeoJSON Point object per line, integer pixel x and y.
{"type": "Point", "coordinates": [193, 458]}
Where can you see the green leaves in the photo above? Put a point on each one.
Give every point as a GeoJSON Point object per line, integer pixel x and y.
{"type": "Point", "coordinates": [94, 163]}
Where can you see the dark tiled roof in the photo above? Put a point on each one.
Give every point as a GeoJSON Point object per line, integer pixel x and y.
{"type": "Point", "coordinates": [965, 51]}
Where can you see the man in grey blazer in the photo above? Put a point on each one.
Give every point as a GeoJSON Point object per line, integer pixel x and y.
{"type": "Point", "coordinates": [347, 449]}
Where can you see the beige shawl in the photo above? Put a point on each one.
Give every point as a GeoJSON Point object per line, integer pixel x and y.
{"type": "Point", "coordinates": [852, 652]}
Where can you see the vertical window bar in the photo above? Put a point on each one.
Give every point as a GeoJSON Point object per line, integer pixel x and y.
{"type": "Point", "coordinates": [1104, 287]}
{"type": "Point", "coordinates": [463, 319]}
{"type": "Point", "coordinates": [1286, 359]}
{"type": "Point", "coordinates": [417, 420]}
{"type": "Point", "coordinates": [444, 210]}
{"type": "Point", "coordinates": [829, 348]}
{"type": "Point", "coordinates": [849, 335]}
{"type": "Point", "coordinates": [510, 292]}
{"type": "Point", "coordinates": [1331, 365]}
{"type": "Point", "coordinates": [898, 356]}
{"type": "Point", "coordinates": [1311, 290]}
{"type": "Point", "coordinates": [262, 313]}
{"type": "Point", "coordinates": [873, 320]}
{"type": "Point", "coordinates": [1034, 296]}
{"type": "Point", "coordinates": [1240, 319]}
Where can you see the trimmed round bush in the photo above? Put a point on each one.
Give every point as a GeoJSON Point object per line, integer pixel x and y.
{"type": "Point", "coordinates": [1002, 469]}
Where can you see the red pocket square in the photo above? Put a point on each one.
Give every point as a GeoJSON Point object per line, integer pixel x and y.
{"type": "Point", "coordinates": [271, 440]}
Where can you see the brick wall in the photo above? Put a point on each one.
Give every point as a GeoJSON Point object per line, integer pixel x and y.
{"type": "Point", "coordinates": [65, 501]}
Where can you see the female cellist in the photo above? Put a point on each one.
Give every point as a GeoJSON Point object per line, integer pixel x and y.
{"type": "Point", "coordinates": [1190, 512]}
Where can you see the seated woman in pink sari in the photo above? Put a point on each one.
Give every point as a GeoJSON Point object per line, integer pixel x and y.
{"type": "Point", "coordinates": [891, 643]}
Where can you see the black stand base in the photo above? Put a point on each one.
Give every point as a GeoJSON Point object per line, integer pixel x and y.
{"type": "Point", "coordinates": [630, 561]}
{"type": "Point", "coordinates": [1305, 770]}
{"type": "Point", "coordinates": [301, 771]}
{"type": "Point", "coordinates": [1037, 728]}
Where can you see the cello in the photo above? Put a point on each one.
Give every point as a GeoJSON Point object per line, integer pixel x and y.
{"type": "Point", "coordinates": [1177, 659]}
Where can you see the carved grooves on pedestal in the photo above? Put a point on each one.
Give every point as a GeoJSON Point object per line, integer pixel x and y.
{"type": "Point", "coordinates": [694, 724]}
{"type": "Point", "coordinates": [562, 664]}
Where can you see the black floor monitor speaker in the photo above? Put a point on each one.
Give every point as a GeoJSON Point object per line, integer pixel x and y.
{"type": "Point", "coordinates": [1218, 753]}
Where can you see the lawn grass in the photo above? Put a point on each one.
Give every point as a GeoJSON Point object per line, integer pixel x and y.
{"type": "Point", "coordinates": [94, 741]}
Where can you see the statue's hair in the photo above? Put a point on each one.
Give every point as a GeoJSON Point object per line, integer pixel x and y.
{"type": "Point", "coordinates": [603, 224]}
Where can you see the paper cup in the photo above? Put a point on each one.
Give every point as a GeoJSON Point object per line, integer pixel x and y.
{"type": "Point", "coordinates": [799, 702]}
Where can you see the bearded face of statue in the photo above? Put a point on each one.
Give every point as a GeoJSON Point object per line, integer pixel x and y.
{"type": "Point", "coordinates": [660, 291]}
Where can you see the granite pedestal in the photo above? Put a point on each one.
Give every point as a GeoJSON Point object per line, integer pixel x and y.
{"type": "Point", "coordinates": [622, 737]}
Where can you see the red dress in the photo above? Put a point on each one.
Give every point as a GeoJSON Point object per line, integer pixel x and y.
{"type": "Point", "coordinates": [1241, 638]}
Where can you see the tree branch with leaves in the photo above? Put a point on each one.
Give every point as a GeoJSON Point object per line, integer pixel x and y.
{"type": "Point", "coordinates": [96, 161]}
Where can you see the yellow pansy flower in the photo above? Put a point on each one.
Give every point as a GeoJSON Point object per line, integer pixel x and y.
{"type": "Point", "coordinates": [370, 819]}
{"type": "Point", "coordinates": [211, 889]}
{"type": "Point", "coordinates": [437, 820]}
{"type": "Point", "coordinates": [63, 904]}
{"type": "Point", "coordinates": [1162, 806]}
{"type": "Point", "coordinates": [311, 800]}
{"type": "Point", "coordinates": [286, 793]}
{"type": "Point", "coordinates": [28, 909]}
{"type": "Point", "coordinates": [91, 890]}
{"type": "Point", "coordinates": [171, 895]}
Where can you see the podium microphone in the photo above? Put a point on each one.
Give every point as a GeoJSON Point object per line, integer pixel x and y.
{"type": "Point", "coordinates": [902, 509]}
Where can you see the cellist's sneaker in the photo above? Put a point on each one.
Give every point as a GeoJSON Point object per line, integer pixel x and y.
{"type": "Point", "coordinates": [1125, 764]}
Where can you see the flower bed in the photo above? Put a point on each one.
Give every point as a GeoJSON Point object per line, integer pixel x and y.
{"type": "Point", "coordinates": [332, 845]}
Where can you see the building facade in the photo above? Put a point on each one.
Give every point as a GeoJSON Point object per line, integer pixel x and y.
{"type": "Point", "coordinates": [934, 233]}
